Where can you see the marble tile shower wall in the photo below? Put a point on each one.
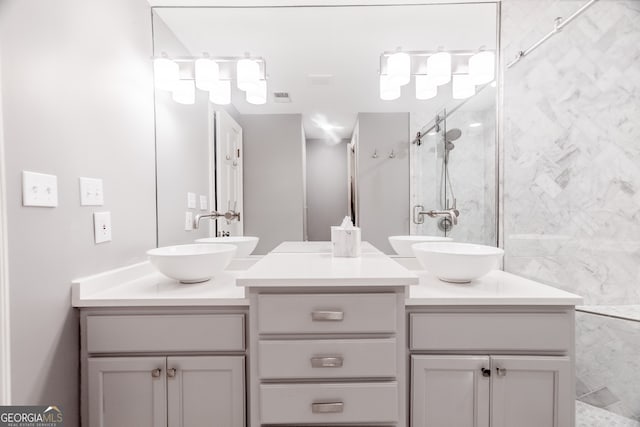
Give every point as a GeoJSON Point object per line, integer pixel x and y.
{"type": "Point", "coordinates": [472, 172]}
{"type": "Point", "coordinates": [572, 148]}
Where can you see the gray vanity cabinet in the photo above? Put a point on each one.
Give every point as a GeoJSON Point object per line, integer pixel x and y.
{"type": "Point", "coordinates": [492, 367]}
{"type": "Point", "coordinates": [169, 368]}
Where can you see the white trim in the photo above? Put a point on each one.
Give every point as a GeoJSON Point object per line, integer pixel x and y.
{"type": "Point", "coordinates": [5, 341]}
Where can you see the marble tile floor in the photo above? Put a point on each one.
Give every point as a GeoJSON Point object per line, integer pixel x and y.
{"type": "Point", "coordinates": [591, 416]}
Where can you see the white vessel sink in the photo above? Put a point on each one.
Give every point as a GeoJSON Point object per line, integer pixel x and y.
{"type": "Point", "coordinates": [402, 244]}
{"type": "Point", "coordinates": [457, 262]}
{"type": "Point", "coordinates": [245, 244]}
{"type": "Point", "coordinates": [192, 263]}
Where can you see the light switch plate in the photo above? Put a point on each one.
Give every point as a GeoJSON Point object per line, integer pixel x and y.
{"type": "Point", "coordinates": [191, 200]}
{"type": "Point", "coordinates": [91, 192]}
{"type": "Point", "coordinates": [39, 189]}
{"type": "Point", "coordinates": [102, 226]}
{"type": "Point", "coordinates": [203, 203]}
{"type": "Point", "coordinates": [188, 221]}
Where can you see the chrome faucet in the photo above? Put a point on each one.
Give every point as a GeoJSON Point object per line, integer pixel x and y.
{"type": "Point", "coordinates": [229, 216]}
{"type": "Point", "coordinates": [452, 213]}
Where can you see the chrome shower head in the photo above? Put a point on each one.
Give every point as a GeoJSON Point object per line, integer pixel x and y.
{"type": "Point", "coordinates": [452, 135]}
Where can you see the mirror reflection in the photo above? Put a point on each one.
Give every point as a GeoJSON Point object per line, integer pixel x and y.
{"type": "Point", "coordinates": [279, 122]}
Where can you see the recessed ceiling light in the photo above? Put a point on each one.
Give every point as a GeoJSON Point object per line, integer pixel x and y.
{"type": "Point", "coordinates": [475, 125]}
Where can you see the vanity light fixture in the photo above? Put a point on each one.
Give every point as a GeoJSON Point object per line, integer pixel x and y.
{"type": "Point", "coordinates": [207, 73]}
{"type": "Point", "coordinates": [247, 74]}
{"type": "Point", "coordinates": [388, 91]}
{"type": "Point", "coordinates": [184, 92]}
{"type": "Point", "coordinates": [220, 92]}
{"type": "Point", "coordinates": [425, 87]}
{"type": "Point", "coordinates": [257, 94]}
{"type": "Point", "coordinates": [462, 86]}
{"type": "Point", "coordinates": [399, 68]}
{"type": "Point", "coordinates": [166, 73]}
{"type": "Point", "coordinates": [482, 67]}
{"type": "Point", "coordinates": [439, 68]}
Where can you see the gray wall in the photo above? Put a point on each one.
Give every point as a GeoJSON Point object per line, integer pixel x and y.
{"type": "Point", "coordinates": [273, 178]}
{"type": "Point", "coordinates": [77, 101]}
{"type": "Point", "coordinates": [327, 199]}
{"type": "Point", "coordinates": [383, 182]}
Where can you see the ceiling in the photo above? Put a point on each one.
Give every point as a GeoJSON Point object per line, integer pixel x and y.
{"type": "Point", "coordinates": [327, 58]}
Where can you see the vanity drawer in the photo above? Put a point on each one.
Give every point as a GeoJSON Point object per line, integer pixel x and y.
{"type": "Point", "coordinates": [327, 313]}
{"type": "Point", "coordinates": [366, 358]}
{"type": "Point", "coordinates": [491, 331]}
{"type": "Point", "coordinates": [329, 403]}
{"type": "Point", "coordinates": [165, 333]}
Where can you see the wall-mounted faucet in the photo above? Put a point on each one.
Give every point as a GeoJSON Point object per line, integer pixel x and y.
{"type": "Point", "coordinates": [229, 216]}
{"type": "Point", "coordinates": [452, 214]}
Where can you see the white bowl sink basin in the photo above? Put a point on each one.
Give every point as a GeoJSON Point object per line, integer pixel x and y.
{"type": "Point", "coordinates": [402, 244]}
{"type": "Point", "coordinates": [457, 262]}
{"type": "Point", "coordinates": [245, 244]}
{"type": "Point", "coordinates": [193, 263]}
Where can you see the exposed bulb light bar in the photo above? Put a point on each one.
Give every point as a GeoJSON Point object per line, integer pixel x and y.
{"type": "Point", "coordinates": [399, 68]}
{"type": "Point", "coordinates": [247, 74]}
{"type": "Point", "coordinates": [439, 68]}
{"type": "Point", "coordinates": [184, 92]}
{"type": "Point", "coordinates": [257, 95]}
{"type": "Point", "coordinates": [207, 73]}
{"type": "Point", "coordinates": [220, 92]}
{"type": "Point", "coordinates": [166, 73]}
{"type": "Point", "coordinates": [388, 91]}
{"type": "Point", "coordinates": [425, 87]}
{"type": "Point", "coordinates": [482, 67]}
{"type": "Point", "coordinates": [462, 86]}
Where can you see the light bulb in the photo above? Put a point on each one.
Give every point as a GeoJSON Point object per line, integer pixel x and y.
{"type": "Point", "coordinates": [166, 73]}
{"type": "Point", "coordinates": [207, 73]}
{"type": "Point", "coordinates": [247, 74]}
{"type": "Point", "coordinates": [462, 86]}
{"type": "Point", "coordinates": [257, 95]}
{"type": "Point", "coordinates": [399, 68]}
{"type": "Point", "coordinates": [425, 87]}
{"type": "Point", "coordinates": [439, 68]}
{"type": "Point", "coordinates": [220, 92]}
{"type": "Point", "coordinates": [388, 91]}
{"type": "Point", "coordinates": [482, 67]}
{"type": "Point", "coordinates": [184, 92]}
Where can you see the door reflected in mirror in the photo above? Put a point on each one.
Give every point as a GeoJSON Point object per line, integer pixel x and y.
{"type": "Point", "coordinates": [278, 122]}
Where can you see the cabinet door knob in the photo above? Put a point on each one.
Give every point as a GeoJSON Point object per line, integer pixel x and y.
{"type": "Point", "coordinates": [327, 407]}
{"type": "Point", "coordinates": [327, 316]}
{"type": "Point", "coordinates": [486, 372]}
{"type": "Point", "coordinates": [171, 372]}
{"type": "Point", "coordinates": [327, 362]}
{"type": "Point", "coordinates": [156, 373]}
{"type": "Point", "coordinates": [501, 371]}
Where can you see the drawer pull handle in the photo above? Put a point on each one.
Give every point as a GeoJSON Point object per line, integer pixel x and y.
{"type": "Point", "coordinates": [171, 373]}
{"type": "Point", "coordinates": [486, 372]}
{"type": "Point", "coordinates": [327, 316]}
{"type": "Point", "coordinates": [156, 373]}
{"type": "Point", "coordinates": [501, 372]}
{"type": "Point", "coordinates": [327, 408]}
{"type": "Point", "coordinates": [327, 362]}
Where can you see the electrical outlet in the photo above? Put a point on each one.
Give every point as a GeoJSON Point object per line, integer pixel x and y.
{"type": "Point", "coordinates": [188, 221]}
{"type": "Point", "coordinates": [102, 226]}
{"type": "Point", "coordinates": [39, 189]}
{"type": "Point", "coordinates": [91, 192]}
{"type": "Point", "coordinates": [203, 203]}
{"type": "Point", "coordinates": [191, 200]}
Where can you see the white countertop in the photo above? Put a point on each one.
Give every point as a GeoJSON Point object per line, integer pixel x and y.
{"type": "Point", "coordinates": [496, 288]}
{"type": "Point", "coordinates": [323, 269]}
{"type": "Point", "coordinates": [318, 247]}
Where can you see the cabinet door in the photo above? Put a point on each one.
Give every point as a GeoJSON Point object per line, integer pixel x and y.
{"type": "Point", "coordinates": [127, 392]}
{"type": "Point", "coordinates": [450, 391]}
{"type": "Point", "coordinates": [205, 391]}
{"type": "Point", "coordinates": [531, 391]}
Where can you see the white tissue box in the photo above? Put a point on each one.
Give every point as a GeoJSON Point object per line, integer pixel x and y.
{"type": "Point", "coordinates": [345, 241]}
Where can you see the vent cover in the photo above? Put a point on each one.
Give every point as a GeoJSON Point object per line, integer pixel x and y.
{"type": "Point", "coordinates": [281, 97]}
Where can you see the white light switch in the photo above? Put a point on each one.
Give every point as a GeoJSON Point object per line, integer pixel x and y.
{"type": "Point", "coordinates": [191, 200]}
{"type": "Point", "coordinates": [203, 203]}
{"type": "Point", "coordinates": [102, 226]}
{"type": "Point", "coordinates": [39, 189]}
{"type": "Point", "coordinates": [188, 221]}
{"type": "Point", "coordinates": [91, 192]}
